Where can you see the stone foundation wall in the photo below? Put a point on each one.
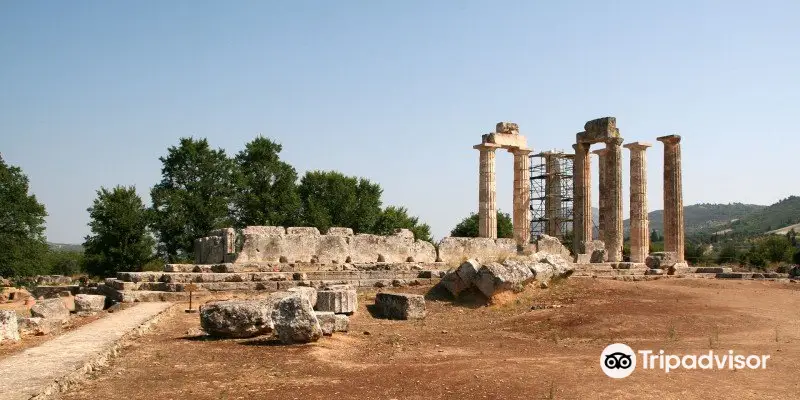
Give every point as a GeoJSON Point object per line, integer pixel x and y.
{"type": "Point", "coordinates": [455, 250]}
{"type": "Point", "coordinates": [215, 248]}
{"type": "Point", "coordinates": [339, 245]}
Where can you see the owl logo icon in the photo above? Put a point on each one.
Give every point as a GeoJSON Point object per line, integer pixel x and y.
{"type": "Point", "coordinates": [618, 360]}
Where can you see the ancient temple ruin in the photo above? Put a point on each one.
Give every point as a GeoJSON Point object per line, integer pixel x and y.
{"type": "Point", "coordinates": [555, 220]}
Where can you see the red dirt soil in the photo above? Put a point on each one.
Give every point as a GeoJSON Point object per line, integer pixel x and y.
{"type": "Point", "coordinates": [468, 351]}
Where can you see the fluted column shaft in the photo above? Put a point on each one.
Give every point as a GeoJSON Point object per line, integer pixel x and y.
{"type": "Point", "coordinates": [613, 184]}
{"type": "Point", "coordinates": [582, 195]}
{"type": "Point", "coordinates": [673, 196]}
{"type": "Point", "coordinates": [602, 183]}
{"type": "Point", "coordinates": [522, 196]}
{"type": "Point", "coordinates": [552, 188]}
{"type": "Point", "coordinates": [487, 193]}
{"type": "Point", "coordinates": [640, 226]}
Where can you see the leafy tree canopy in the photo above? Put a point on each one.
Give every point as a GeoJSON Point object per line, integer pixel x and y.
{"type": "Point", "coordinates": [397, 217]}
{"type": "Point", "coordinates": [468, 227]}
{"type": "Point", "coordinates": [120, 240]}
{"type": "Point", "coordinates": [330, 198]}
{"type": "Point", "coordinates": [22, 241]}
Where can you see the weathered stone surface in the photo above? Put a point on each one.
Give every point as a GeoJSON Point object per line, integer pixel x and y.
{"type": "Point", "coordinates": [302, 230]}
{"type": "Point", "coordinates": [454, 250]}
{"type": "Point", "coordinates": [38, 326]}
{"type": "Point", "coordinates": [237, 318]}
{"type": "Point", "coordinates": [468, 270]}
{"type": "Point", "coordinates": [494, 278]}
{"type": "Point", "coordinates": [400, 305]}
{"type": "Point", "coordinates": [583, 259]}
{"type": "Point", "coordinates": [713, 270]}
{"type": "Point", "coordinates": [341, 323]}
{"type": "Point", "coordinates": [337, 231]}
{"type": "Point", "coordinates": [507, 127]}
{"type": "Point", "coordinates": [89, 303]}
{"type": "Point", "coordinates": [598, 256]}
{"type": "Point", "coordinates": [551, 245]}
{"type": "Point", "coordinates": [54, 309]}
{"type": "Point", "coordinates": [327, 322]}
{"type": "Point", "coordinates": [264, 230]}
{"type": "Point", "coordinates": [654, 271]}
{"type": "Point", "coordinates": [306, 292]}
{"type": "Point", "coordinates": [295, 321]}
{"type": "Point", "coordinates": [53, 280]}
{"type": "Point", "coordinates": [337, 301]}
{"type": "Point", "coordinates": [454, 284]}
{"type": "Point", "coordinates": [9, 329]}
{"type": "Point", "coordinates": [661, 260]}
{"type": "Point", "coordinates": [673, 196]}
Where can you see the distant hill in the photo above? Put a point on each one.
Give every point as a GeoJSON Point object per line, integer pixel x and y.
{"type": "Point", "coordinates": [65, 247]}
{"type": "Point", "coordinates": [775, 217]}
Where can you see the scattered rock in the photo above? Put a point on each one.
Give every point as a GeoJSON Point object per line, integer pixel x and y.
{"type": "Point", "coordinates": [54, 309]}
{"type": "Point", "coordinates": [295, 321]}
{"type": "Point", "coordinates": [468, 270]}
{"type": "Point", "coordinates": [237, 318]}
{"type": "Point", "coordinates": [551, 245]}
{"type": "Point", "coordinates": [400, 305]}
{"type": "Point", "coordinates": [337, 300]}
{"type": "Point", "coordinates": [453, 283]}
{"type": "Point", "coordinates": [9, 329]}
{"type": "Point", "coordinates": [4, 282]}
{"type": "Point", "coordinates": [661, 260]}
{"type": "Point", "coordinates": [38, 326]}
{"type": "Point", "coordinates": [341, 323]}
{"type": "Point", "coordinates": [53, 280]}
{"type": "Point", "coordinates": [306, 292]}
{"type": "Point", "coordinates": [89, 303]}
{"type": "Point", "coordinates": [598, 256]}
{"type": "Point", "coordinates": [327, 322]}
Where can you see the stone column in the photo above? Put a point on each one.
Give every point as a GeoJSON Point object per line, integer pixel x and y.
{"type": "Point", "coordinates": [582, 196]}
{"type": "Point", "coordinates": [487, 190]}
{"type": "Point", "coordinates": [552, 188]}
{"type": "Point", "coordinates": [673, 196]}
{"type": "Point", "coordinates": [613, 198]}
{"type": "Point", "coordinates": [640, 227]}
{"type": "Point", "coordinates": [522, 196]}
{"type": "Point", "coordinates": [602, 171]}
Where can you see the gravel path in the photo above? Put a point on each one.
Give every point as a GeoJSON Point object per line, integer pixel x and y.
{"type": "Point", "coordinates": [42, 369]}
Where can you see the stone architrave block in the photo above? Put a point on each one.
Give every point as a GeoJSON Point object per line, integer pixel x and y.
{"type": "Point", "coordinates": [400, 305]}
{"type": "Point", "coordinates": [237, 318]}
{"type": "Point", "coordinates": [337, 301]}
{"type": "Point", "coordinates": [494, 278]}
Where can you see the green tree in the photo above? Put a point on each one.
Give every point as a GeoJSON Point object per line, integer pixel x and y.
{"type": "Point", "coordinates": [22, 240]}
{"type": "Point", "coordinates": [775, 248]}
{"type": "Point", "coordinates": [119, 240]}
{"type": "Point", "coordinates": [64, 262]}
{"type": "Point", "coordinates": [728, 254]}
{"type": "Point", "coordinates": [193, 197]}
{"type": "Point", "coordinates": [330, 198]}
{"type": "Point", "coordinates": [266, 187]}
{"type": "Point", "coordinates": [468, 227]}
{"type": "Point", "coordinates": [397, 217]}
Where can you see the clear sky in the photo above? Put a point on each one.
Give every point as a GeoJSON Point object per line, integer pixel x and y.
{"type": "Point", "coordinates": [93, 92]}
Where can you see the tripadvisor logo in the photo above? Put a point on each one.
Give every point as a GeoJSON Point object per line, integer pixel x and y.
{"type": "Point", "coordinates": [618, 360]}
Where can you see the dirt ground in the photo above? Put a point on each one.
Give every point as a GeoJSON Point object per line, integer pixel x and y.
{"type": "Point", "coordinates": [508, 351]}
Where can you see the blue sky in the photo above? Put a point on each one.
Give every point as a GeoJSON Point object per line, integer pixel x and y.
{"type": "Point", "coordinates": [93, 92]}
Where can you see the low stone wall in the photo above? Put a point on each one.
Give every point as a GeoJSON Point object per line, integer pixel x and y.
{"type": "Point", "coordinates": [216, 247]}
{"type": "Point", "coordinates": [455, 250]}
{"type": "Point", "coordinates": [339, 245]}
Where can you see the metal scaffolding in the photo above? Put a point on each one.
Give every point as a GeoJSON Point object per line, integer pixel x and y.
{"type": "Point", "coordinates": [551, 194]}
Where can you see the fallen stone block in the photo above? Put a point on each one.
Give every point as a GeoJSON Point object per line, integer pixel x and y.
{"type": "Point", "coordinates": [38, 326]}
{"type": "Point", "coordinates": [327, 322]}
{"type": "Point", "coordinates": [295, 321]}
{"type": "Point", "coordinates": [468, 270]}
{"type": "Point", "coordinates": [237, 318]}
{"type": "Point", "coordinates": [654, 271]}
{"type": "Point", "coordinates": [400, 305]}
{"type": "Point", "coordinates": [89, 303]}
{"type": "Point", "coordinates": [306, 292]}
{"type": "Point", "coordinates": [551, 245]}
{"type": "Point", "coordinates": [494, 278]}
{"type": "Point", "coordinates": [54, 309]}
{"type": "Point", "coordinates": [712, 270]}
{"type": "Point", "coordinates": [9, 329]}
{"type": "Point", "coordinates": [337, 301]}
{"type": "Point", "coordinates": [661, 260]}
{"type": "Point", "coordinates": [453, 283]}
{"type": "Point", "coordinates": [341, 323]}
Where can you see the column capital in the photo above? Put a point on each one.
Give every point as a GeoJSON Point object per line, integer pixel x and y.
{"type": "Point", "coordinates": [486, 147]}
{"type": "Point", "coordinates": [614, 142]}
{"type": "Point", "coordinates": [600, 152]}
{"type": "Point", "coordinates": [637, 145]}
{"type": "Point", "coordinates": [520, 151]}
{"type": "Point", "coordinates": [669, 139]}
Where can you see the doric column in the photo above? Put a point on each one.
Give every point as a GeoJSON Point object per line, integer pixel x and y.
{"type": "Point", "coordinates": [673, 196]}
{"type": "Point", "coordinates": [640, 227]}
{"type": "Point", "coordinates": [613, 195]}
{"type": "Point", "coordinates": [582, 196]}
{"type": "Point", "coordinates": [522, 196]}
{"type": "Point", "coordinates": [487, 191]}
{"type": "Point", "coordinates": [552, 188]}
{"type": "Point", "coordinates": [602, 183]}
